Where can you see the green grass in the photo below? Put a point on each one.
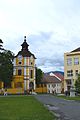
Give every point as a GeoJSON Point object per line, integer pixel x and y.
{"type": "Point", "coordinates": [77, 98]}
{"type": "Point", "coordinates": [23, 108]}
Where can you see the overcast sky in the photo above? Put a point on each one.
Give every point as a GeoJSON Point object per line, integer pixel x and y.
{"type": "Point", "coordinates": [52, 28]}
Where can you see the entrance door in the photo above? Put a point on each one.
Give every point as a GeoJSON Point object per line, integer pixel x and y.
{"type": "Point", "coordinates": [31, 86]}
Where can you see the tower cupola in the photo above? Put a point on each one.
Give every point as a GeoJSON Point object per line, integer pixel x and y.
{"type": "Point", "coordinates": [24, 45]}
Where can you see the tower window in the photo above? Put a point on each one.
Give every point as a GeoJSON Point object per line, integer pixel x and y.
{"type": "Point", "coordinates": [31, 74]}
{"type": "Point", "coordinates": [31, 63]}
{"type": "Point", "coordinates": [20, 63]}
{"type": "Point", "coordinates": [19, 72]}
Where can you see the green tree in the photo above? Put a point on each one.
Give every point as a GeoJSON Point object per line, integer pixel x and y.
{"type": "Point", "coordinates": [6, 67]}
{"type": "Point", "coordinates": [77, 84]}
{"type": "Point", "coordinates": [1, 42]}
{"type": "Point", "coordinates": [39, 75]}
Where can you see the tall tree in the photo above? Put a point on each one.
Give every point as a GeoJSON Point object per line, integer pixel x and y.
{"type": "Point", "coordinates": [1, 42]}
{"type": "Point", "coordinates": [39, 75]}
{"type": "Point", "coordinates": [6, 67]}
{"type": "Point", "coordinates": [77, 84]}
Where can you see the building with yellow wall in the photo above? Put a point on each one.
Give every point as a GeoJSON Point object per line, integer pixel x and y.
{"type": "Point", "coordinates": [24, 70]}
{"type": "Point", "coordinates": [71, 68]}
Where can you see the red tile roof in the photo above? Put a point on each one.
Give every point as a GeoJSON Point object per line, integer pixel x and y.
{"type": "Point", "coordinates": [50, 79]}
{"type": "Point", "coordinates": [60, 76]}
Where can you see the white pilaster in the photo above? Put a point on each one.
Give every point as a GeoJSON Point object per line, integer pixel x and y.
{"type": "Point", "coordinates": [14, 71]}
{"type": "Point", "coordinates": [34, 85]}
{"type": "Point", "coordinates": [34, 73]}
{"type": "Point", "coordinates": [14, 62]}
{"type": "Point", "coordinates": [28, 84]}
{"type": "Point", "coordinates": [24, 71]}
{"type": "Point", "coordinates": [25, 84]}
{"type": "Point", "coordinates": [25, 61]}
{"type": "Point", "coordinates": [28, 61]}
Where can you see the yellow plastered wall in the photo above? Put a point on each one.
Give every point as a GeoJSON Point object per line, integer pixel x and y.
{"type": "Point", "coordinates": [15, 91]}
{"type": "Point", "coordinates": [1, 84]}
{"type": "Point", "coordinates": [17, 61]}
{"type": "Point", "coordinates": [41, 90]}
{"type": "Point", "coordinates": [71, 67]}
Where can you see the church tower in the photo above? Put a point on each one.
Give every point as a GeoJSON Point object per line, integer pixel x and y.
{"type": "Point", "coordinates": [24, 69]}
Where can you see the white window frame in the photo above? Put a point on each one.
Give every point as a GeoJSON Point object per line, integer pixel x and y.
{"type": "Point", "coordinates": [76, 61]}
{"type": "Point", "coordinates": [69, 61]}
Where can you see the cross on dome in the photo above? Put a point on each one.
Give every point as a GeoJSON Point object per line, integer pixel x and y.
{"type": "Point", "coordinates": [24, 38]}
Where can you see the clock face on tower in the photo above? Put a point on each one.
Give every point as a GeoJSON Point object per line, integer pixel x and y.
{"type": "Point", "coordinates": [19, 57]}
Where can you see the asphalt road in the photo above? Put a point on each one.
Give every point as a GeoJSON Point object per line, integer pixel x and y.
{"type": "Point", "coordinates": [63, 109]}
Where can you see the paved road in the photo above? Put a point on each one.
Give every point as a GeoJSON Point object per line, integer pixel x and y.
{"type": "Point", "coordinates": [64, 109]}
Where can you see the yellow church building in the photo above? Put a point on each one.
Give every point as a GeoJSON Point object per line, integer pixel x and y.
{"type": "Point", "coordinates": [23, 71]}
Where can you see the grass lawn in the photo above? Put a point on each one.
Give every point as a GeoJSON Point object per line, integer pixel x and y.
{"type": "Point", "coordinates": [23, 108]}
{"type": "Point", "coordinates": [70, 98]}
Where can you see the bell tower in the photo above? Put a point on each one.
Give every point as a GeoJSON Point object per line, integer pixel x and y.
{"type": "Point", "coordinates": [24, 68]}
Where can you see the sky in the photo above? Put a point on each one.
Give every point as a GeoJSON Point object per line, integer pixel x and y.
{"type": "Point", "coordinates": [52, 27]}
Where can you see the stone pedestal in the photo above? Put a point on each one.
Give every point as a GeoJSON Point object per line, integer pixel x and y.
{"type": "Point", "coordinates": [72, 92]}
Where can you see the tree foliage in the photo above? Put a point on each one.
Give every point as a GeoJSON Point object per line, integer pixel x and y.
{"type": "Point", "coordinates": [1, 44]}
{"type": "Point", "coordinates": [77, 84]}
{"type": "Point", "coordinates": [6, 66]}
{"type": "Point", "coordinates": [39, 75]}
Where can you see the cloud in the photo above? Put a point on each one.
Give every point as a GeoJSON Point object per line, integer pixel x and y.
{"type": "Point", "coordinates": [50, 50]}
{"type": "Point", "coordinates": [44, 47]}
{"type": "Point", "coordinates": [52, 28]}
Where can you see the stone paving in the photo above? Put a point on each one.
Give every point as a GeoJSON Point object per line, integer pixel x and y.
{"type": "Point", "coordinates": [63, 109]}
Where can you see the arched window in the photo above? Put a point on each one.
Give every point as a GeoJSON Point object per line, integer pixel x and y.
{"type": "Point", "coordinates": [31, 74]}
{"type": "Point", "coordinates": [19, 72]}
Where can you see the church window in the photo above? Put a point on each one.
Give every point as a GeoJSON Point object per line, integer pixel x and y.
{"type": "Point", "coordinates": [19, 72]}
{"type": "Point", "coordinates": [19, 62]}
{"type": "Point", "coordinates": [31, 74]}
{"type": "Point", "coordinates": [31, 63]}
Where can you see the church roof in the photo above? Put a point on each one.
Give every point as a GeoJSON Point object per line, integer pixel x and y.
{"type": "Point", "coordinates": [76, 50]}
{"type": "Point", "coordinates": [24, 51]}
